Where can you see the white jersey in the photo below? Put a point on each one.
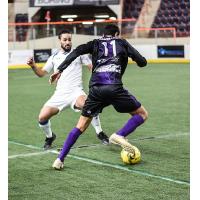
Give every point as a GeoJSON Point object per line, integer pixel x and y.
{"type": "Point", "coordinates": [71, 77]}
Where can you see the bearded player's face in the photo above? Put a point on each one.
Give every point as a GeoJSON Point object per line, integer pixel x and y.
{"type": "Point", "coordinates": [66, 41]}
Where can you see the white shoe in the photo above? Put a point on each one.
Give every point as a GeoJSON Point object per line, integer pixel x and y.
{"type": "Point", "coordinates": [121, 141]}
{"type": "Point", "coordinates": [58, 164]}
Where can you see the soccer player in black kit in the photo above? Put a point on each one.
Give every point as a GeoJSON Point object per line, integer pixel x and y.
{"type": "Point", "coordinates": [109, 58]}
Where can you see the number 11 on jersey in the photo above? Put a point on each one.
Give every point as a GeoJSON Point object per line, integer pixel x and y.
{"type": "Point", "coordinates": [111, 46]}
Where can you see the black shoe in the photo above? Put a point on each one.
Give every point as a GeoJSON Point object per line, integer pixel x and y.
{"type": "Point", "coordinates": [49, 141]}
{"type": "Point", "coordinates": [103, 137]}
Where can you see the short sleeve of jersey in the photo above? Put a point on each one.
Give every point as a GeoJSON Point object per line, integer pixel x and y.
{"type": "Point", "coordinates": [49, 64]}
{"type": "Point", "coordinates": [85, 59]}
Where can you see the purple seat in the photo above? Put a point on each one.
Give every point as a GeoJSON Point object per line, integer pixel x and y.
{"type": "Point", "coordinates": [186, 12]}
{"type": "Point", "coordinates": [170, 5]}
{"type": "Point", "coordinates": [170, 19]}
{"type": "Point", "coordinates": [176, 6]}
{"type": "Point", "coordinates": [173, 12]}
{"type": "Point", "coordinates": [182, 26]}
{"type": "Point", "coordinates": [179, 12]}
{"type": "Point", "coordinates": [163, 20]}
{"type": "Point", "coordinates": [187, 5]}
{"type": "Point", "coordinates": [163, 6]}
{"type": "Point", "coordinates": [183, 6]}
{"type": "Point", "coordinates": [186, 20]}
{"type": "Point", "coordinates": [157, 20]}
{"type": "Point", "coordinates": [166, 13]}
{"type": "Point", "coordinates": [175, 19]}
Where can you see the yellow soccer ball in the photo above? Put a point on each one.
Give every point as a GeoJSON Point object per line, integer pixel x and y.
{"type": "Point", "coordinates": [130, 158]}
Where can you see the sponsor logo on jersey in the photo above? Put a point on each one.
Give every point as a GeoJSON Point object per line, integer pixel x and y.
{"type": "Point", "coordinates": [109, 68]}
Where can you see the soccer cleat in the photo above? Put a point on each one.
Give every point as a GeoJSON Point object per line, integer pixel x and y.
{"type": "Point", "coordinates": [103, 137]}
{"type": "Point", "coordinates": [121, 141]}
{"type": "Point", "coordinates": [49, 141]}
{"type": "Point", "coordinates": [58, 164]}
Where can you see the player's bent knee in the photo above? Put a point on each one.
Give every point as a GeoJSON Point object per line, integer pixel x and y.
{"type": "Point", "coordinates": [145, 115]}
{"type": "Point", "coordinates": [80, 102]}
{"type": "Point", "coordinates": [142, 112]}
{"type": "Point", "coordinates": [46, 113]}
{"type": "Point", "coordinates": [42, 118]}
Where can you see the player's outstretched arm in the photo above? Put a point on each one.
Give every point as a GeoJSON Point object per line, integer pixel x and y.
{"type": "Point", "coordinates": [38, 71]}
{"type": "Point", "coordinates": [136, 56]}
{"type": "Point", "coordinates": [80, 50]}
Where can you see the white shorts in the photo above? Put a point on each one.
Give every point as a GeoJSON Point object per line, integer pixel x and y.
{"type": "Point", "coordinates": [62, 100]}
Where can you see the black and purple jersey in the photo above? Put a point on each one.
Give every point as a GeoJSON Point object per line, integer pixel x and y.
{"type": "Point", "coordinates": [109, 59]}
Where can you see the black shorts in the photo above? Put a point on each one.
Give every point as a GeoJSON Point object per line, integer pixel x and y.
{"type": "Point", "coordinates": [104, 95]}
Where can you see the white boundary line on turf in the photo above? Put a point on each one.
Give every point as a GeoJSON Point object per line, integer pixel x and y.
{"type": "Point", "coordinates": [130, 170]}
{"type": "Point", "coordinates": [25, 145]}
{"type": "Point", "coordinates": [96, 145]}
{"type": "Point", "coordinates": [105, 164]}
{"type": "Point", "coordinates": [161, 136]}
{"type": "Point", "coordinates": [173, 135]}
{"type": "Point", "coordinates": [27, 155]}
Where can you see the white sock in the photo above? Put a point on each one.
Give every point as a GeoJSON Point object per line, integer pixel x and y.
{"type": "Point", "coordinates": [47, 129]}
{"type": "Point", "coordinates": [96, 124]}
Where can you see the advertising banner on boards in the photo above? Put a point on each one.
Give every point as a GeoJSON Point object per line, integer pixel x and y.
{"type": "Point", "coordinates": [171, 51]}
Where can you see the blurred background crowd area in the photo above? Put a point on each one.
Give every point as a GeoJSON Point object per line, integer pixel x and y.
{"type": "Point", "coordinates": [141, 18]}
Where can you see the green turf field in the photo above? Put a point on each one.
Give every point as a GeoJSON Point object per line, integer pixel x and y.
{"type": "Point", "coordinates": [94, 171]}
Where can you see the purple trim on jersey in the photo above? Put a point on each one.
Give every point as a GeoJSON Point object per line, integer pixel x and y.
{"type": "Point", "coordinates": [105, 78]}
{"type": "Point", "coordinates": [137, 103]}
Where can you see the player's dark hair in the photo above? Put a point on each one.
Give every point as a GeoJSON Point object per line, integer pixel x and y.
{"type": "Point", "coordinates": [111, 29]}
{"type": "Point", "coordinates": [63, 32]}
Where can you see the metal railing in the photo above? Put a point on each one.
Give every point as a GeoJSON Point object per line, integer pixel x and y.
{"type": "Point", "coordinates": [35, 30]}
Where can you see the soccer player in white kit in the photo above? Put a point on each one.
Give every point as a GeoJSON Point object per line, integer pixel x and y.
{"type": "Point", "coordinates": [69, 90]}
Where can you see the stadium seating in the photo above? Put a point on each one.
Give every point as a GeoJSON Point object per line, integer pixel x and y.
{"type": "Point", "coordinates": [173, 14]}
{"type": "Point", "coordinates": [131, 9]}
{"type": "Point", "coordinates": [170, 14]}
